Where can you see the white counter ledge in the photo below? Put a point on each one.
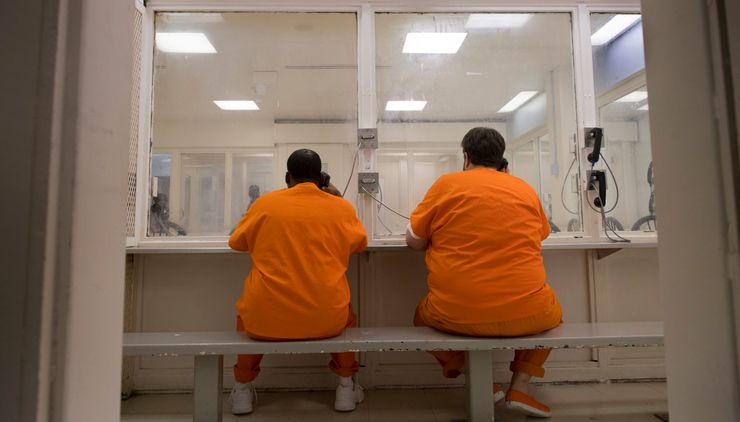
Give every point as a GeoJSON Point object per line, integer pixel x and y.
{"type": "Point", "coordinates": [603, 247]}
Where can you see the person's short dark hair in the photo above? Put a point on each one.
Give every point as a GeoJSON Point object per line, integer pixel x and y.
{"type": "Point", "coordinates": [484, 146]}
{"type": "Point", "coordinates": [304, 164]}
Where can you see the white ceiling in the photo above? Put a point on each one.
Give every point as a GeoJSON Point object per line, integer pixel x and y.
{"type": "Point", "coordinates": [302, 66]}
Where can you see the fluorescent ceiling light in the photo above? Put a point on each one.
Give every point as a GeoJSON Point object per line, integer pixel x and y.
{"type": "Point", "coordinates": [643, 108]}
{"type": "Point", "coordinates": [184, 42]}
{"type": "Point", "coordinates": [633, 97]}
{"type": "Point", "coordinates": [236, 104]}
{"type": "Point", "coordinates": [517, 101]}
{"type": "Point", "coordinates": [405, 105]}
{"type": "Point", "coordinates": [433, 42]}
{"type": "Point", "coordinates": [614, 27]}
{"type": "Point", "coordinates": [198, 17]}
{"type": "Point", "coordinates": [497, 20]}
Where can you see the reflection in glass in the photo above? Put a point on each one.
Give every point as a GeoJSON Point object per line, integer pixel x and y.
{"type": "Point", "coordinates": [525, 164]}
{"type": "Point", "coordinates": [512, 72]}
{"type": "Point", "coordinates": [251, 178]}
{"type": "Point", "coordinates": [159, 215]}
{"type": "Point", "coordinates": [235, 96]}
{"type": "Point", "coordinates": [622, 106]}
{"type": "Point", "coordinates": [202, 201]}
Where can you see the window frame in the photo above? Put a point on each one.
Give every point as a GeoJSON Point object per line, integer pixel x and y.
{"type": "Point", "coordinates": [622, 88]}
{"type": "Point", "coordinates": [585, 101]}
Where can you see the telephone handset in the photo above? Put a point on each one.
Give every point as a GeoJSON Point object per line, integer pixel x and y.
{"type": "Point", "coordinates": [595, 137]}
{"type": "Point", "coordinates": [324, 179]}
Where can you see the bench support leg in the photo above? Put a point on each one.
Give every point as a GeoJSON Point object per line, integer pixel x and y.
{"type": "Point", "coordinates": [479, 381]}
{"type": "Point", "coordinates": [207, 388]}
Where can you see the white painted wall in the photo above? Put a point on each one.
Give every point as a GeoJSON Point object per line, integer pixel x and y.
{"type": "Point", "coordinates": [97, 109]}
{"type": "Point", "coordinates": [697, 252]}
{"type": "Point", "coordinates": [25, 143]}
{"type": "Point", "coordinates": [386, 288]}
{"type": "Point", "coordinates": [66, 77]}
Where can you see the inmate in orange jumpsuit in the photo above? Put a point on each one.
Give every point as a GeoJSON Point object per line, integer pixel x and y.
{"type": "Point", "coordinates": [486, 275]}
{"type": "Point", "coordinates": [300, 240]}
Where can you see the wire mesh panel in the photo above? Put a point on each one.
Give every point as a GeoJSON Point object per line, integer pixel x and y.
{"type": "Point", "coordinates": [133, 144]}
{"type": "Point", "coordinates": [130, 303]}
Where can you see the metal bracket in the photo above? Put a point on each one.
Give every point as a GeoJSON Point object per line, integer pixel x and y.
{"type": "Point", "coordinates": [368, 183]}
{"type": "Point", "coordinates": [367, 138]}
{"type": "Point", "coordinates": [603, 253]}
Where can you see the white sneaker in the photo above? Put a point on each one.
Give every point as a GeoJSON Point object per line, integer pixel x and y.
{"type": "Point", "coordinates": [349, 393]}
{"type": "Point", "coordinates": [242, 398]}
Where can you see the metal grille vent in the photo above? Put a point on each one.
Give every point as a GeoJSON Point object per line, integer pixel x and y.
{"type": "Point", "coordinates": [133, 143]}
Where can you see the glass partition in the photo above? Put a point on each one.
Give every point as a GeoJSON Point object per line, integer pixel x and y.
{"type": "Point", "coordinates": [622, 110]}
{"type": "Point", "coordinates": [439, 75]}
{"type": "Point", "coordinates": [234, 94]}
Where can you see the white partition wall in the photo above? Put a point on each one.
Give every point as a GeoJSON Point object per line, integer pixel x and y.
{"type": "Point", "coordinates": [66, 83]}
{"type": "Point", "coordinates": [698, 256]}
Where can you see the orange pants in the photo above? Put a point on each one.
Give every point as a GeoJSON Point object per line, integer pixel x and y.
{"type": "Point", "coordinates": [248, 366]}
{"type": "Point", "coordinates": [529, 361]}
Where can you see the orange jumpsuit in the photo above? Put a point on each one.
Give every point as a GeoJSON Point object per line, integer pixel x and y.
{"type": "Point", "coordinates": [300, 240]}
{"type": "Point", "coordinates": [486, 275]}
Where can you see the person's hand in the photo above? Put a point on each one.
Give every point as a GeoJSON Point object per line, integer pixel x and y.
{"type": "Point", "coordinates": [332, 190]}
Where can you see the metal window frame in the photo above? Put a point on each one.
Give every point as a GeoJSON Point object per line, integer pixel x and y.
{"type": "Point", "coordinates": [365, 11]}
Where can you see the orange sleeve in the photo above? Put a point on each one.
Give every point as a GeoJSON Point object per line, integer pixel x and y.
{"type": "Point", "coordinates": [354, 229]}
{"type": "Point", "coordinates": [423, 215]}
{"type": "Point", "coordinates": [545, 231]}
{"type": "Point", "coordinates": [239, 239]}
{"type": "Point", "coordinates": [359, 236]}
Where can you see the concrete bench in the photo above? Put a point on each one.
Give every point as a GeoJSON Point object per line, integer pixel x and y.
{"type": "Point", "coordinates": [208, 349]}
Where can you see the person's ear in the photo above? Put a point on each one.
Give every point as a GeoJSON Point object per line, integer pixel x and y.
{"type": "Point", "coordinates": [465, 161]}
{"type": "Point", "coordinates": [287, 178]}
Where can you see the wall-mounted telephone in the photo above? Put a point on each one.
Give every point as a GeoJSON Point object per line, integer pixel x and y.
{"type": "Point", "coordinates": [597, 182]}
{"type": "Point", "coordinates": [594, 139]}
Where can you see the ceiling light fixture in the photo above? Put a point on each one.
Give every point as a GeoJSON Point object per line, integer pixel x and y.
{"type": "Point", "coordinates": [497, 20]}
{"type": "Point", "coordinates": [433, 42]}
{"type": "Point", "coordinates": [633, 97]}
{"type": "Point", "coordinates": [184, 42]}
{"type": "Point", "coordinates": [198, 17]}
{"type": "Point", "coordinates": [613, 28]}
{"type": "Point", "coordinates": [518, 100]}
{"type": "Point", "coordinates": [405, 105]}
{"type": "Point", "coordinates": [236, 105]}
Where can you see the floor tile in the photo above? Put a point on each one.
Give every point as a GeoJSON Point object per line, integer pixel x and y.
{"type": "Point", "coordinates": [614, 402]}
{"type": "Point", "coordinates": [377, 400]}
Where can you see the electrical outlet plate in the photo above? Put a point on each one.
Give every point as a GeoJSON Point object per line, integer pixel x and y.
{"type": "Point", "coordinates": [368, 182]}
{"type": "Point", "coordinates": [367, 138]}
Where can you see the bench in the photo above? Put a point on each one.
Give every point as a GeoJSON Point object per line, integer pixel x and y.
{"type": "Point", "coordinates": [208, 349]}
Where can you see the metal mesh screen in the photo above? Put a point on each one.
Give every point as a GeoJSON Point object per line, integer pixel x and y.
{"type": "Point", "coordinates": [129, 322]}
{"type": "Point", "coordinates": [133, 144]}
